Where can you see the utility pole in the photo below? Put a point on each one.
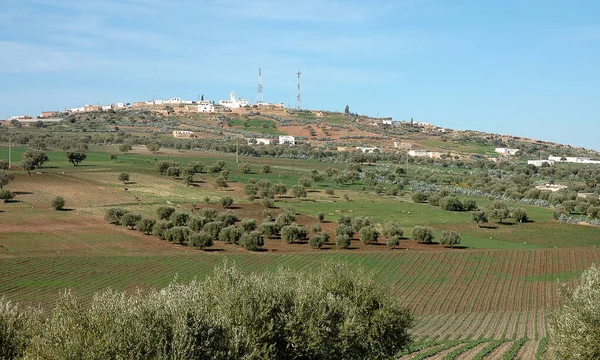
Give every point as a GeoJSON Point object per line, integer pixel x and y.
{"type": "Point", "coordinates": [298, 96]}
{"type": "Point", "coordinates": [9, 153]}
{"type": "Point", "coordinates": [237, 150]}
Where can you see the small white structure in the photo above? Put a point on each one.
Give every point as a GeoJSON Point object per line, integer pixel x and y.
{"type": "Point", "coordinates": [173, 101]}
{"type": "Point", "coordinates": [402, 145]}
{"type": "Point", "coordinates": [233, 103]}
{"type": "Point", "coordinates": [76, 110]}
{"type": "Point", "coordinates": [573, 159]}
{"type": "Point", "coordinates": [259, 141]}
{"type": "Point", "coordinates": [18, 117]}
{"type": "Point", "coordinates": [118, 105]}
{"type": "Point", "coordinates": [368, 150]}
{"type": "Point", "coordinates": [287, 140]}
{"type": "Point", "coordinates": [183, 134]}
{"type": "Point", "coordinates": [551, 187]}
{"type": "Point", "coordinates": [386, 122]}
{"type": "Point", "coordinates": [539, 163]}
{"type": "Point", "coordinates": [425, 153]}
{"type": "Point", "coordinates": [106, 107]}
{"type": "Point", "coordinates": [506, 151]}
{"type": "Point", "coordinates": [206, 107]}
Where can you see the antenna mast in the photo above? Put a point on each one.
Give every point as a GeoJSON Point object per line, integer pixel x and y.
{"type": "Point", "coordinates": [259, 96]}
{"type": "Point", "coordinates": [298, 96]}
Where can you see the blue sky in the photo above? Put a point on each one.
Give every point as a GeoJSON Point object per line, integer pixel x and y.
{"type": "Point", "coordinates": [521, 67]}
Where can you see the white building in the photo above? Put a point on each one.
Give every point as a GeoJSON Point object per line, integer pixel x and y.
{"type": "Point", "coordinates": [573, 159]}
{"type": "Point", "coordinates": [118, 105]}
{"type": "Point", "coordinates": [402, 145]}
{"type": "Point", "coordinates": [183, 134]}
{"type": "Point", "coordinates": [386, 122]}
{"type": "Point", "coordinates": [425, 153]}
{"type": "Point", "coordinates": [76, 110]}
{"type": "Point", "coordinates": [106, 107]}
{"type": "Point", "coordinates": [259, 141]}
{"type": "Point", "coordinates": [507, 151]}
{"type": "Point", "coordinates": [539, 163]}
{"type": "Point", "coordinates": [368, 150]}
{"type": "Point", "coordinates": [287, 140]}
{"type": "Point", "coordinates": [19, 117]}
{"type": "Point", "coordinates": [173, 101]}
{"type": "Point", "coordinates": [233, 103]}
{"type": "Point", "coordinates": [205, 106]}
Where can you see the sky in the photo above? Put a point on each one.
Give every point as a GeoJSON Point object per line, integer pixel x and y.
{"type": "Point", "coordinates": [520, 67]}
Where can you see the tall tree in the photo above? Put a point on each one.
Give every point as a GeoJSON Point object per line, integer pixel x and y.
{"type": "Point", "coordinates": [347, 110]}
{"type": "Point", "coordinates": [33, 159]}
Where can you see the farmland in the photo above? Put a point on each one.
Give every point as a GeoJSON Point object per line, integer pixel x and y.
{"type": "Point", "coordinates": [489, 296]}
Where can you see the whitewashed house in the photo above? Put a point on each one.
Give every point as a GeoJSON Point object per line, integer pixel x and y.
{"type": "Point", "coordinates": [287, 140]}
{"type": "Point", "coordinates": [233, 103]}
{"type": "Point", "coordinates": [506, 151]}
{"type": "Point", "coordinates": [539, 163]}
{"type": "Point", "coordinates": [206, 107]}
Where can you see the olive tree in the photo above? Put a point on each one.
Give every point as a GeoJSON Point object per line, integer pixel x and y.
{"type": "Point", "coordinates": [422, 234]}
{"type": "Point", "coordinates": [5, 178]}
{"type": "Point", "coordinates": [574, 328]}
{"type": "Point", "coordinates": [479, 217]}
{"type": "Point", "coordinates": [58, 203]}
{"type": "Point", "coordinates": [450, 238]}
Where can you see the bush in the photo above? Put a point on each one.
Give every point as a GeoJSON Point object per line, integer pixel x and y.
{"type": "Point", "coordinates": [391, 229]}
{"type": "Point", "coordinates": [179, 218]}
{"type": "Point", "coordinates": [345, 229]}
{"type": "Point", "coordinates": [317, 240]}
{"type": "Point", "coordinates": [227, 218]}
{"type": "Point", "coordinates": [213, 228]}
{"type": "Point", "coordinates": [245, 168]}
{"type": "Point", "coordinates": [330, 192]}
{"type": "Point", "coordinates": [6, 195]}
{"type": "Point", "coordinates": [292, 233]}
{"type": "Point", "coordinates": [248, 224]}
{"type": "Point", "coordinates": [450, 203]}
{"type": "Point", "coordinates": [196, 223]}
{"type": "Point", "coordinates": [574, 328]}
{"type": "Point", "coordinates": [480, 217]}
{"type": "Point", "coordinates": [393, 242]}
{"type": "Point", "coordinates": [178, 234]}
{"type": "Point", "coordinates": [230, 234]}
{"type": "Point", "coordinates": [342, 240]}
{"type": "Point", "coordinates": [299, 191]}
{"type": "Point", "coordinates": [321, 216]}
{"type": "Point", "coordinates": [114, 215]}
{"type": "Point", "coordinates": [265, 169]}
{"type": "Point", "coordinates": [146, 225]}
{"type": "Point", "coordinates": [270, 229]}
{"type": "Point", "coordinates": [252, 241]}
{"type": "Point", "coordinates": [174, 171]}
{"type": "Point", "coordinates": [161, 227]}
{"type": "Point", "coordinates": [226, 202]}
{"type": "Point", "coordinates": [360, 222]}
{"type": "Point", "coordinates": [204, 319]}
{"type": "Point", "coordinates": [208, 213]}
{"type": "Point", "coordinates": [58, 203]}
{"type": "Point", "coordinates": [124, 177]}
{"type": "Point", "coordinates": [470, 205]}
{"type": "Point", "coordinates": [368, 235]}
{"type": "Point", "coordinates": [422, 234]}
{"type": "Point", "coordinates": [450, 238]}
{"type": "Point", "coordinates": [345, 220]}
{"type": "Point", "coordinates": [200, 240]}
{"type": "Point", "coordinates": [164, 212]}
{"type": "Point", "coordinates": [285, 218]}
{"type": "Point", "coordinates": [419, 197]}
{"type": "Point", "coordinates": [520, 215]}
{"type": "Point", "coordinates": [316, 227]}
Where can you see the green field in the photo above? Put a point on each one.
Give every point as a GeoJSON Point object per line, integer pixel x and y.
{"type": "Point", "coordinates": [493, 290]}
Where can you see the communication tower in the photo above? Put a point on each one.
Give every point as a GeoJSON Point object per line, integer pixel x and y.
{"type": "Point", "coordinates": [259, 95]}
{"type": "Point", "coordinates": [298, 96]}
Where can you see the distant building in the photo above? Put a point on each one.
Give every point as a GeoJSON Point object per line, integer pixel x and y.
{"type": "Point", "coordinates": [233, 103]}
{"type": "Point", "coordinates": [259, 141]}
{"type": "Point", "coordinates": [118, 105]}
{"type": "Point", "coordinates": [386, 122]}
{"type": "Point", "coordinates": [507, 151]}
{"type": "Point", "coordinates": [76, 110]}
{"type": "Point", "coordinates": [90, 108]}
{"type": "Point", "coordinates": [368, 150]}
{"type": "Point", "coordinates": [205, 106]}
{"type": "Point", "coordinates": [425, 153]}
{"type": "Point", "coordinates": [287, 140]}
{"type": "Point", "coordinates": [18, 117]}
{"type": "Point", "coordinates": [573, 159]}
{"type": "Point", "coordinates": [402, 145]}
{"type": "Point", "coordinates": [539, 163]}
{"type": "Point", "coordinates": [47, 114]}
{"type": "Point", "coordinates": [183, 134]}
{"type": "Point", "coordinates": [106, 107]}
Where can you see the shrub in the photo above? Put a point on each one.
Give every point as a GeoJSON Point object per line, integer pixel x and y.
{"type": "Point", "coordinates": [226, 202]}
{"type": "Point", "coordinates": [114, 215]}
{"type": "Point", "coordinates": [227, 218]}
{"type": "Point", "coordinates": [268, 203]}
{"type": "Point", "coordinates": [265, 169]}
{"type": "Point", "coordinates": [164, 212]}
{"type": "Point", "coordinates": [321, 216]}
{"type": "Point", "coordinates": [330, 192]}
{"type": "Point", "coordinates": [245, 168]}
{"type": "Point", "coordinates": [470, 205]}
{"type": "Point", "coordinates": [391, 229]}
{"type": "Point", "coordinates": [200, 240]}
{"type": "Point", "coordinates": [230, 234]}
{"type": "Point", "coordinates": [574, 328]}
{"type": "Point", "coordinates": [204, 319]}
{"type": "Point", "coordinates": [252, 241]}
{"type": "Point", "coordinates": [450, 238]}
{"type": "Point", "coordinates": [208, 213]}
{"type": "Point", "coordinates": [299, 191]}
{"type": "Point", "coordinates": [520, 215]}
{"type": "Point", "coordinates": [360, 222]}
{"type": "Point", "coordinates": [422, 234]}
{"type": "Point", "coordinates": [342, 240]}
{"type": "Point", "coordinates": [419, 197]}
{"type": "Point", "coordinates": [221, 182]}
{"type": "Point", "coordinates": [146, 225]}
{"type": "Point", "coordinates": [269, 229]}
{"type": "Point", "coordinates": [368, 235]}
{"type": "Point", "coordinates": [393, 241]}
{"type": "Point", "coordinates": [280, 189]}
{"type": "Point", "coordinates": [213, 228]}
{"type": "Point", "coordinates": [58, 203]}
{"type": "Point", "coordinates": [285, 218]}
{"type": "Point", "coordinates": [345, 220]}
{"type": "Point", "coordinates": [248, 224]}
{"type": "Point", "coordinates": [345, 229]}
{"type": "Point", "coordinates": [196, 223]}
{"type": "Point", "coordinates": [161, 227]}
{"type": "Point", "coordinates": [124, 177]}
{"type": "Point", "coordinates": [174, 171]}
{"type": "Point", "coordinates": [130, 220]}
{"type": "Point", "coordinates": [480, 217]}
{"type": "Point", "coordinates": [6, 195]}
{"type": "Point", "coordinates": [179, 218]}
{"type": "Point", "coordinates": [178, 234]}
{"type": "Point", "coordinates": [450, 203]}
{"type": "Point", "coordinates": [316, 227]}
{"type": "Point", "coordinates": [292, 233]}
{"type": "Point", "coordinates": [317, 240]}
